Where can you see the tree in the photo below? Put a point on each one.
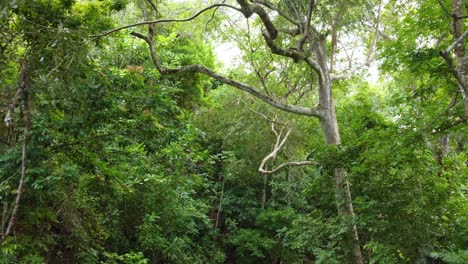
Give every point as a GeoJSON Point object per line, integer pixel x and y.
{"type": "Point", "coordinates": [27, 46]}
{"type": "Point", "coordinates": [156, 159]}
{"type": "Point", "coordinates": [304, 41]}
{"type": "Point", "coordinates": [457, 63]}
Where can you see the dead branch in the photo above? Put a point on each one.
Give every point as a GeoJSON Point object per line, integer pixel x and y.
{"type": "Point", "coordinates": [280, 140]}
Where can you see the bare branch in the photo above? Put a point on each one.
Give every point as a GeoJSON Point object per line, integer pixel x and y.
{"type": "Point", "coordinates": [456, 43]}
{"type": "Point", "coordinates": [211, 18]}
{"type": "Point", "coordinates": [271, 32]}
{"type": "Point", "coordinates": [247, 88]}
{"type": "Point", "coordinates": [278, 145]}
{"type": "Point", "coordinates": [316, 67]}
{"type": "Point", "coordinates": [165, 20]}
{"type": "Point", "coordinates": [141, 36]}
{"type": "Point", "coordinates": [269, 35]}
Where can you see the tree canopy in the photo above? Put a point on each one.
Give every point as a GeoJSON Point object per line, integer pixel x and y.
{"type": "Point", "coordinates": [338, 134]}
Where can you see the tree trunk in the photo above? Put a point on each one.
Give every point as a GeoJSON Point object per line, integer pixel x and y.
{"type": "Point", "coordinates": [460, 52]}
{"type": "Point", "coordinates": [329, 125]}
{"type": "Point", "coordinates": [25, 90]}
{"type": "Point", "coordinates": [325, 110]}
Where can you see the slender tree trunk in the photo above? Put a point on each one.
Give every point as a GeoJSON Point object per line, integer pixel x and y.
{"type": "Point", "coordinates": [460, 52]}
{"type": "Point", "coordinates": [329, 125]}
{"type": "Point", "coordinates": [218, 213]}
{"type": "Point", "coordinates": [265, 181]}
{"type": "Point", "coordinates": [441, 150]}
{"type": "Point", "coordinates": [25, 86]}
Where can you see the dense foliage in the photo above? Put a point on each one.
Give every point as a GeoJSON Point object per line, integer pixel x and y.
{"type": "Point", "coordinates": [128, 165]}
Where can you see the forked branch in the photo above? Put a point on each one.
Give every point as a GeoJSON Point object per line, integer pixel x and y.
{"type": "Point", "coordinates": [280, 140]}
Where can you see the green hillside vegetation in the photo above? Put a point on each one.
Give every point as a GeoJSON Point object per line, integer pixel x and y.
{"type": "Point", "coordinates": [338, 134]}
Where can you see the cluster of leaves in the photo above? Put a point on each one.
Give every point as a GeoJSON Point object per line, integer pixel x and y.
{"type": "Point", "coordinates": [116, 173]}
{"type": "Point", "coordinates": [128, 166]}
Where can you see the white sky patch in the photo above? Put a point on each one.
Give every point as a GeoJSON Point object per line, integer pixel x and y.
{"type": "Point", "coordinates": [373, 73]}
{"type": "Point", "coordinates": [228, 54]}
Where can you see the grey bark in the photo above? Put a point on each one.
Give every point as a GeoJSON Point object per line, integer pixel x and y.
{"type": "Point", "coordinates": [459, 63]}
{"type": "Point", "coordinates": [329, 125]}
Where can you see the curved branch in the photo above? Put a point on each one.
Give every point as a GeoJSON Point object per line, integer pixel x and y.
{"type": "Point", "coordinates": [278, 145]}
{"type": "Point", "coordinates": [290, 53]}
{"type": "Point", "coordinates": [249, 9]}
{"type": "Point", "coordinates": [271, 32]}
{"type": "Point", "coordinates": [166, 20]}
{"type": "Point", "coordinates": [316, 67]}
{"type": "Point", "coordinates": [197, 68]}
{"type": "Point", "coordinates": [456, 43]}
{"type": "Point", "coordinates": [313, 111]}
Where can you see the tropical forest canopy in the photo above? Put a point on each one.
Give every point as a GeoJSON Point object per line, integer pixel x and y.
{"type": "Point", "coordinates": [234, 131]}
